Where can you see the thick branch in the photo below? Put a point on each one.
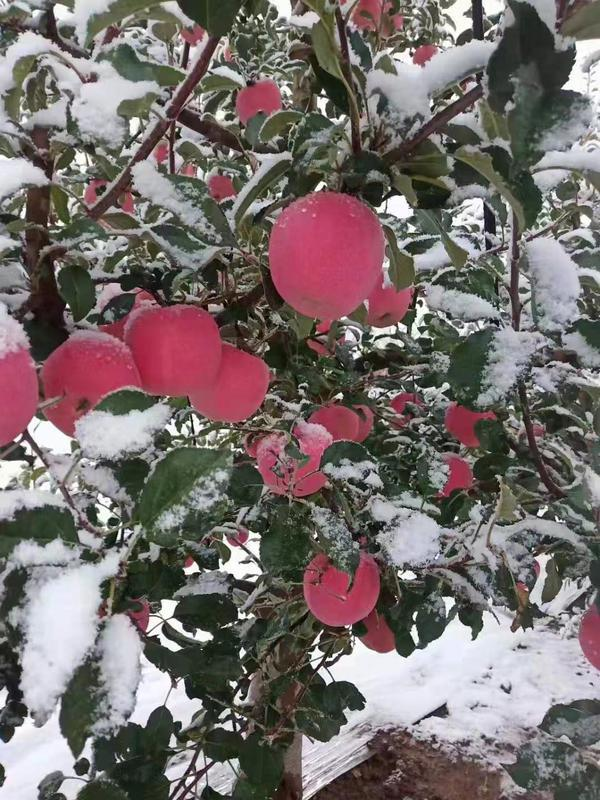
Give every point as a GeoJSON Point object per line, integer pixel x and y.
{"type": "Point", "coordinates": [172, 112]}
{"type": "Point", "coordinates": [434, 125]}
{"type": "Point", "coordinates": [347, 70]}
{"type": "Point", "coordinates": [210, 129]}
{"type": "Point", "coordinates": [54, 36]}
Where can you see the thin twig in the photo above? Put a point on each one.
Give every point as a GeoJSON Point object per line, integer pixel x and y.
{"type": "Point", "coordinates": [210, 129]}
{"type": "Point", "coordinates": [347, 71]}
{"type": "Point", "coordinates": [552, 487]}
{"type": "Point", "coordinates": [172, 112]}
{"type": "Point", "coordinates": [515, 299]}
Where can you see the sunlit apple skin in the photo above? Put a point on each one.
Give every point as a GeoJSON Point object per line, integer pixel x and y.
{"type": "Point", "coordinates": [82, 371]}
{"type": "Point", "coordinates": [240, 538]}
{"type": "Point", "coordinates": [379, 636]}
{"type": "Point", "coordinates": [238, 390]}
{"type": "Point", "coordinates": [387, 306]}
{"type": "Point", "coordinates": [221, 187]}
{"type": "Point", "coordinates": [91, 196]}
{"type": "Point", "coordinates": [193, 35]}
{"type": "Point", "coordinates": [460, 477]}
{"type": "Point", "coordinates": [141, 616]}
{"type": "Point", "coordinates": [177, 349]}
{"type": "Point", "coordinates": [263, 96]}
{"type": "Point", "coordinates": [424, 53]}
{"type": "Point", "coordinates": [330, 597]}
{"type": "Point", "coordinates": [118, 328]}
{"type": "Point", "coordinates": [18, 393]}
{"type": "Point", "coordinates": [281, 472]}
{"type": "Point", "coordinates": [326, 252]}
{"type": "Point", "coordinates": [398, 404]}
{"type": "Point", "coordinates": [589, 636]}
{"type": "Point", "coordinates": [366, 420]}
{"type": "Point", "coordinates": [341, 422]}
{"type": "Point", "coordinates": [460, 422]}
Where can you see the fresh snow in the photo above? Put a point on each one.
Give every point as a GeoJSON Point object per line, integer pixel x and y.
{"type": "Point", "coordinates": [451, 66]}
{"type": "Point", "coordinates": [129, 433]}
{"type": "Point", "coordinates": [578, 159]}
{"type": "Point", "coordinates": [509, 355]}
{"type": "Point", "coordinates": [400, 100]}
{"type": "Point", "coordinates": [59, 630]}
{"type": "Point", "coordinates": [437, 256]}
{"type": "Point", "coordinates": [18, 173]}
{"type": "Point", "coordinates": [207, 492]}
{"type": "Point", "coordinates": [29, 553]}
{"type": "Point", "coordinates": [266, 163]}
{"type": "Point", "coordinates": [14, 500]}
{"type": "Point", "coordinates": [83, 11]}
{"type": "Point", "coordinates": [589, 356]}
{"type": "Point", "coordinates": [12, 335]}
{"type": "Point", "coordinates": [409, 538]}
{"type": "Point", "coordinates": [555, 283]}
{"type": "Point", "coordinates": [214, 582]}
{"type": "Point", "coordinates": [120, 650]}
{"type": "Point", "coordinates": [459, 304]}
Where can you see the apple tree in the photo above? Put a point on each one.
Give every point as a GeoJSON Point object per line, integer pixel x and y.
{"type": "Point", "coordinates": [299, 346]}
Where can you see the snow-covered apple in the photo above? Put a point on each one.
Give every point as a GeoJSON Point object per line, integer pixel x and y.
{"type": "Point", "coordinates": [460, 474]}
{"type": "Point", "coordinates": [334, 597]}
{"type": "Point", "coordinates": [341, 422]}
{"type": "Point", "coordinates": [326, 252]}
{"type": "Point", "coordinates": [387, 305]}
{"type": "Point", "coordinates": [177, 349]}
{"type": "Point", "coordinates": [18, 379]}
{"type": "Point", "coordinates": [460, 423]}
{"type": "Point", "coordinates": [261, 96]}
{"type": "Point", "coordinates": [221, 187]}
{"type": "Point", "coordinates": [238, 390]}
{"type": "Point", "coordinates": [379, 636]}
{"type": "Point", "coordinates": [283, 473]}
{"type": "Point", "coordinates": [81, 371]}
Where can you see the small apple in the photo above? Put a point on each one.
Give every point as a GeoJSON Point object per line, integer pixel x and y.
{"type": "Point", "coordinates": [366, 420]}
{"type": "Point", "coordinates": [387, 305]}
{"type": "Point", "coordinates": [460, 422]}
{"type": "Point", "coordinates": [241, 537]}
{"type": "Point", "coordinates": [221, 187]}
{"type": "Point", "coordinates": [140, 616]}
{"type": "Point", "coordinates": [161, 152]}
{"type": "Point", "coordinates": [18, 379]}
{"type": "Point", "coordinates": [460, 474]}
{"type": "Point", "coordinates": [283, 473]}
{"type": "Point", "coordinates": [91, 196]}
{"type": "Point", "coordinates": [193, 35]}
{"type": "Point", "coordinates": [379, 636]}
{"type": "Point", "coordinates": [424, 53]}
{"type": "Point", "coordinates": [260, 96]}
{"type": "Point", "coordinates": [589, 635]}
{"type": "Point", "coordinates": [399, 403]}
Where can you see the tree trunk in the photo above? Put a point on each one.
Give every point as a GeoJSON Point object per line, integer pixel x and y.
{"type": "Point", "coordinates": [291, 783]}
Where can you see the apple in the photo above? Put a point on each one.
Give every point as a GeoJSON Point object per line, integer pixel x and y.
{"type": "Point", "coordinates": [460, 422]}
{"type": "Point", "coordinates": [90, 196]}
{"type": "Point", "coordinates": [241, 537]}
{"type": "Point", "coordinates": [220, 187]}
{"type": "Point", "coordinates": [161, 152]}
{"type": "Point", "coordinates": [341, 422]}
{"type": "Point", "coordinates": [250, 443]}
{"type": "Point", "coordinates": [189, 562]}
{"type": "Point", "coordinates": [326, 252]}
{"type": "Point", "coordinates": [398, 404]}
{"type": "Point", "coordinates": [260, 96]}
{"type": "Point", "coordinates": [141, 616]}
{"type": "Point", "coordinates": [589, 635]}
{"type": "Point", "coordinates": [318, 347]}
{"type": "Point", "coordinates": [379, 636]}
{"type": "Point", "coordinates": [331, 598]}
{"type": "Point", "coordinates": [18, 379]}
{"type": "Point", "coordinates": [111, 290]}
{"type": "Point", "coordinates": [372, 15]}
{"type": "Point", "coordinates": [387, 305]}
{"type": "Point", "coordinates": [460, 476]}
{"type": "Point", "coordinates": [193, 35]}
{"type": "Point", "coordinates": [189, 170]}
{"type": "Point", "coordinates": [177, 349]}
{"type": "Point", "coordinates": [81, 371]}
{"type": "Point", "coordinates": [424, 53]}
{"type": "Point", "coordinates": [284, 474]}
{"type": "Point", "coordinates": [366, 420]}
{"type": "Point", "coordinates": [238, 390]}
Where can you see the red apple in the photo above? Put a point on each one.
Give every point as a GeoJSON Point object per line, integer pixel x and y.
{"type": "Point", "coordinates": [177, 349]}
{"type": "Point", "coordinates": [326, 252]}
{"type": "Point", "coordinates": [238, 390]}
{"type": "Point", "coordinates": [460, 423]}
{"type": "Point", "coordinates": [251, 442]}
{"type": "Point", "coordinates": [263, 96]}
{"type": "Point", "coordinates": [193, 35]}
{"type": "Point", "coordinates": [372, 15]}
{"type": "Point", "coordinates": [140, 616]}
{"type": "Point", "coordinates": [241, 537]}
{"type": "Point", "coordinates": [82, 370]}
{"type": "Point", "coordinates": [161, 152]}
{"type": "Point", "coordinates": [281, 472]}
{"type": "Point", "coordinates": [111, 290]}
{"type": "Point", "coordinates": [189, 170]}
{"type": "Point", "coordinates": [379, 636]}
{"type": "Point", "coordinates": [90, 196]}
{"type": "Point", "coordinates": [318, 347]}
{"type": "Point", "coordinates": [366, 420]}
{"type": "Point", "coordinates": [189, 562]}
{"type": "Point", "coordinates": [341, 422]}
{"type": "Point", "coordinates": [460, 476]}
{"type": "Point", "coordinates": [221, 187]}
{"type": "Point", "coordinates": [331, 598]}
{"type": "Point", "coordinates": [424, 53]}
{"type": "Point", "coordinates": [387, 306]}
{"type": "Point", "coordinates": [398, 404]}
{"type": "Point", "coordinates": [589, 635]}
{"type": "Point", "coordinates": [18, 379]}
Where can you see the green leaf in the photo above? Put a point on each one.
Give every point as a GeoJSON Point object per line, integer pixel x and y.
{"type": "Point", "coordinates": [286, 547]}
{"type": "Point", "coordinates": [77, 289]}
{"type": "Point", "coordinates": [430, 221]}
{"type": "Point", "coordinates": [60, 204]}
{"type": "Point", "coordinates": [117, 308]}
{"type": "Point", "coordinates": [431, 619]}
{"type": "Point", "coordinates": [553, 582]}
{"type": "Point", "coordinates": [208, 612]}
{"type": "Point", "coordinates": [129, 65]}
{"type": "Point", "coordinates": [222, 745]}
{"type": "Point", "coordinates": [402, 265]}
{"type": "Point", "coordinates": [42, 524]}
{"type": "Point", "coordinates": [125, 400]}
{"type": "Point", "coordinates": [589, 329]}
{"type": "Point", "coordinates": [337, 539]}
{"type": "Point", "coordinates": [342, 451]}
{"type": "Point", "coordinates": [102, 790]}
{"type": "Point", "coordinates": [136, 106]}
{"type": "Point", "coordinates": [467, 365]}
{"type": "Point", "coordinates": [215, 16]}
{"type": "Point", "coordinates": [116, 11]}
{"type": "Point", "coordinates": [79, 706]}
{"type": "Point", "coordinates": [48, 787]}
{"type": "Point", "coordinates": [579, 721]}
{"type": "Point", "coordinates": [272, 169]}
{"type": "Point", "coordinates": [218, 83]}
{"type": "Point", "coordinates": [276, 123]}
{"type": "Point", "coordinates": [177, 479]}
{"type": "Point", "coordinates": [261, 762]}
{"type": "Point", "coordinates": [583, 22]}
{"type": "Point", "coordinates": [325, 48]}
{"type": "Point", "coordinates": [245, 486]}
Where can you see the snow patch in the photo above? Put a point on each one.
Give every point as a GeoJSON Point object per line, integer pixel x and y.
{"type": "Point", "coordinates": [14, 500]}
{"type": "Point", "coordinates": [17, 173]}
{"type": "Point", "coordinates": [410, 538]}
{"type": "Point", "coordinates": [555, 283]}
{"type": "Point", "coordinates": [451, 66]}
{"type": "Point", "coordinates": [509, 355]}
{"type": "Point", "coordinates": [459, 305]}
{"type": "Point", "coordinates": [120, 649]}
{"type": "Point", "coordinates": [12, 335]}
{"type": "Point", "coordinates": [113, 436]}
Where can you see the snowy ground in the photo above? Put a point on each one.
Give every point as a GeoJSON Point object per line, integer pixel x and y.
{"type": "Point", "coordinates": [496, 687]}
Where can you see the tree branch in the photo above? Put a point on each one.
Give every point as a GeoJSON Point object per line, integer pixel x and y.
{"type": "Point", "coordinates": [210, 129]}
{"type": "Point", "coordinates": [533, 446]}
{"type": "Point", "coordinates": [347, 71]}
{"type": "Point", "coordinates": [434, 125]}
{"type": "Point", "coordinates": [515, 299]}
{"type": "Point", "coordinates": [172, 112]}
{"type": "Point", "coordinates": [54, 36]}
